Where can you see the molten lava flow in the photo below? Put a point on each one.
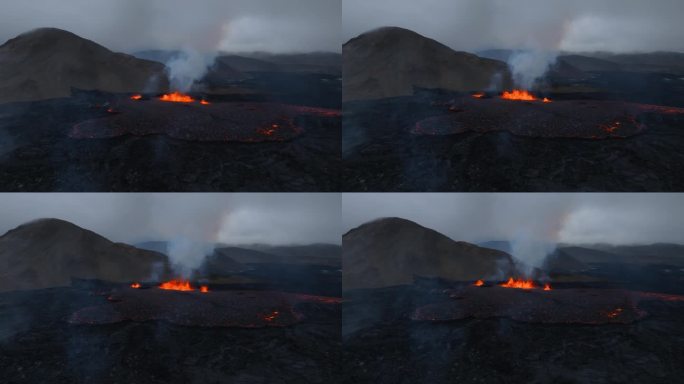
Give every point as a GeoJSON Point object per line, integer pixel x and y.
{"type": "Point", "coordinates": [177, 97]}
{"type": "Point", "coordinates": [136, 97]}
{"type": "Point", "coordinates": [204, 102]}
{"type": "Point", "coordinates": [177, 285]}
{"type": "Point", "coordinates": [546, 100]}
{"type": "Point", "coordinates": [135, 285]}
{"type": "Point", "coordinates": [204, 289]}
{"type": "Point", "coordinates": [479, 283]}
{"type": "Point", "coordinates": [521, 284]}
{"type": "Point", "coordinates": [272, 316]}
{"type": "Point", "coordinates": [518, 94]}
{"type": "Point", "coordinates": [547, 287]}
{"type": "Point", "coordinates": [478, 95]}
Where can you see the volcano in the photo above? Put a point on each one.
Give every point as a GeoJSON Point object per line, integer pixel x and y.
{"type": "Point", "coordinates": [50, 252]}
{"type": "Point", "coordinates": [392, 251]}
{"type": "Point", "coordinates": [47, 63]}
{"type": "Point", "coordinates": [391, 61]}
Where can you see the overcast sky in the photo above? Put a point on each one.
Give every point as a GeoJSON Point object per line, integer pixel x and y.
{"type": "Point", "coordinates": [204, 25]}
{"type": "Point", "coordinates": [571, 218]}
{"type": "Point", "coordinates": [577, 25]}
{"type": "Point", "coordinates": [235, 218]}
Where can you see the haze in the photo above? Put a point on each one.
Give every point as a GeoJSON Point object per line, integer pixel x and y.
{"type": "Point", "coordinates": [207, 25]}
{"type": "Point", "coordinates": [614, 218]}
{"type": "Point", "coordinates": [580, 26]}
{"type": "Point", "coordinates": [224, 218]}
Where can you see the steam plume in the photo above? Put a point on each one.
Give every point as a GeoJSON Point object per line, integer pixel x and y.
{"type": "Point", "coordinates": [187, 68]}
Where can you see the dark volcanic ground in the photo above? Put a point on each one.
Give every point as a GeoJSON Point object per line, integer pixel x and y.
{"type": "Point", "coordinates": [39, 345]}
{"type": "Point", "coordinates": [37, 154]}
{"type": "Point", "coordinates": [381, 344]}
{"type": "Point", "coordinates": [381, 154]}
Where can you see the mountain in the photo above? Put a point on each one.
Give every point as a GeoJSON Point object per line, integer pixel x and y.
{"type": "Point", "coordinates": [313, 254]}
{"type": "Point", "coordinates": [563, 261]}
{"type": "Point", "coordinates": [391, 251]}
{"type": "Point", "coordinates": [46, 63]}
{"type": "Point", "coordinates": [391, 61]}
{"type": "Point", "coordinates": [49, 252]}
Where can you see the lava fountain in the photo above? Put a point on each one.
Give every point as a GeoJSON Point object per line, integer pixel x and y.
{"type": "Point", "coordinates": [521, 94]}
{"type": "Point", "coordinates": [520, 284]}
{"type": "Point", "coordinates": [177, 285]}
{"type": "Point", "coordinates": [177, 97]}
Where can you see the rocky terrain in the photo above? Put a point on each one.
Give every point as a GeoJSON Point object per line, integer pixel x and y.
{"type": "Point", "coordinates": [46, 63]}
{"type": "Point", "coordinates": [393, 251]}
{"type": "Point", "coordinates": [391, 61]}
{"type": "Point", "coordinates": [50, 252]}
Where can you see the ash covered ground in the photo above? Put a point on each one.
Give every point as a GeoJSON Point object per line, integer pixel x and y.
{"type": "Point", "coordinates": [41, 150]}
{"type": "Point", "coordinates": [416, 144]}
{"type": "Point", "coordinates": [385, 342]}
{"type": "Point", "coordinates": [41, 341]}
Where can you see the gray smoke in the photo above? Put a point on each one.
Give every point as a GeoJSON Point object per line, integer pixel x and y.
{"type": "Point", "coordinates": [187, 254]}
{"type": "Point", "coordinates": [187, 68]}
{"type": "Point", "coordinates": [530, 66]}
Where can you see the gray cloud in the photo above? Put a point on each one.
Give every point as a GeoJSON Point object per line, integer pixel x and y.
{"type": "Point", "coordinates": [571, 218]}
{"type": "Point", "coordinates": [579, 25]}
{"type": "Point", "coordinates": [234, 218]}
{"type": "Point", "coordinates": [206, 25]}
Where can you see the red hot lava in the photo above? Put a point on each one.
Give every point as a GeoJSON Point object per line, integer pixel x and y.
{"type": "Point", "coordinates": [478, 283]}
{"type": "Point", "coordinates": [521, 94]}
{"type": "Point", "coordinates": [177, 97]}
{"type": "Point", "coordinates": [135, 285]}
{"type": "Point", "coordinates": [177, 285]}
{"type": "Point", "coordinates": [520, 284]}
{"type": "Point", "coordinates": [136, 97]}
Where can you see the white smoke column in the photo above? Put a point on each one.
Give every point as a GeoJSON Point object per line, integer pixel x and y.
{"type": "Point", "coordinates": [529, 66]}
{"type": "Point", "coordinates": [187, 255]}
{"type": "Point", "coordinates": [188, 67]}
{"type": "Point", "coordinates": [534, 225]}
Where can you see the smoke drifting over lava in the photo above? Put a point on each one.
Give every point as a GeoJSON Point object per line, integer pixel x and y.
{"type": "Point", "coordinates": [533, 224]}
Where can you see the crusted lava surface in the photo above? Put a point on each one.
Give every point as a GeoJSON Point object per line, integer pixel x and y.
{"type": "Point", "coordinates": [194, 121]}
{"type": "Point", "coordinates": [246, 309]}
{"type": "Point", "coordinates": [587, 119]}
{"type": "Point", "coordinates": [40, 151]}
{"type": "Point", "coordinates": [435, 141]}
{"type": "Point", "coordinates": [502, 335]}
{"type": "Point", "coordinates": [557, 306]}
{"type": "Point", "coordinates": [42, 339]}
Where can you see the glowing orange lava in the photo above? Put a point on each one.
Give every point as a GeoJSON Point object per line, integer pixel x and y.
{"type": "Point", "coordinates": [204, 289]}
{"type": "Point", "coordinates": [479, 283]}
{"type": "Point", "coordinates": [177, 285]}
{"type": "Point", "coordinates": [518, 94]}
{"type": "Point", "coordinates": [271, 316]}
{"type": "Point", "coordinates": [547, 287]}
{"type": "Point", "coordinates": [204, 102]}
{"type": "Point", "coordinates": [478, 95]}
{"type": "Point", "coordinates": [136, 97]}
{"type": "Point", "coordinates": [521, 284]}
{"type": "Point", "coordinates": [135, 285]}
{"type": "Point", "coordinates": [546, 100]}
{"type": "Point", "coordinates": [177, 97]}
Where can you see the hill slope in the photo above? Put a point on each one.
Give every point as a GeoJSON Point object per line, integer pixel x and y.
{"type": "Point", "coordinates": [49, 252]}
{"type": "Point", "coordinates": [46, 63]}
{"type": "Point", "coordinates": [390, 61]}
{"type": "Point", "coordinates": [391, 251]}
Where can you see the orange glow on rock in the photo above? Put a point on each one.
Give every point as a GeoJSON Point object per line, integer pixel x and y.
{"type": "Point", "coordinates": [520, 284]}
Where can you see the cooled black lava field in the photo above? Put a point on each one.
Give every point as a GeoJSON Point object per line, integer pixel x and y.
{"type": "Point", "coordinates": [82, 144]}
{"type": "Point", "coordinates": [412, 143]}
{"type": "Point", "coordinates": [384, 342]}
{"type": "Point", "coordinates": [42, 341]}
